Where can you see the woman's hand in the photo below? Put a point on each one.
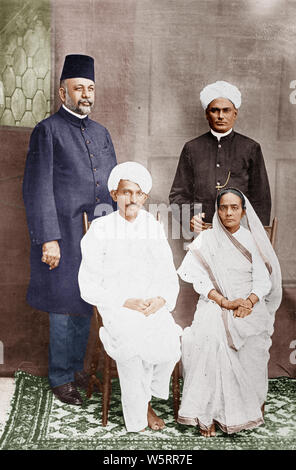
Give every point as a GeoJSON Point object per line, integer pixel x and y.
{"type": "Point", "coordinates": [242, 307]}
{"type": "Point", "coordinates": [242, 312]}
{"type": "Point", "coordinates": [235, 304]}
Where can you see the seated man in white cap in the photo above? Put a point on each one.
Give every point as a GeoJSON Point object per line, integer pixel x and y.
{"type": "Point", "coordinates": [219, 158]}
{"type": "Point", "coordinates": [127, 271]}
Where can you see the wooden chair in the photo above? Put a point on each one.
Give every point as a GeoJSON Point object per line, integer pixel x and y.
{"type": "Point", "coordinates": [109, 370]}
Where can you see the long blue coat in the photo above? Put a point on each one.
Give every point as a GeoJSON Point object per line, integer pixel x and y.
{"type": "Point", "coordinates": [67, 168]}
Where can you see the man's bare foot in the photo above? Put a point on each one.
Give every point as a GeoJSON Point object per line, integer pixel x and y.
{"type": "Point", "coordinates": [262, 409]}
{"type": "Point", "coordinates": [210, 432]}
{"type": "Point", "coordinates": [154, 422]}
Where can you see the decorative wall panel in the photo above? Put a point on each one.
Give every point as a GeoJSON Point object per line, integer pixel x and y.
{"type": "Point", "coordinates": [25, 62]}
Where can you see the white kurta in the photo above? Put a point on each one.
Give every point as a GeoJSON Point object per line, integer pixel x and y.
{"type": "Point", "coordinates": [122, 260]}
{"type": "Point", "coordinates": [222, 384]}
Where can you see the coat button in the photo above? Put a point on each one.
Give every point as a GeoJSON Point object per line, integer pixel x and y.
{"type": "Point", "coordinates": [82, 128]}
{"type": "Point", "coordinates": [88, 141]}
{"type": "Point", "coordinates": [97, 184]}
{"type": "Point", "coordinates": [218, 165]}
{"type": "Point", "coordinates": [95, 169]}
{"type": "Point", "coordinates": [97, 199]}
{"type": "Point", "coordinates": [219, 146]}
{"type": "Point", "coordinates": [92, 155]}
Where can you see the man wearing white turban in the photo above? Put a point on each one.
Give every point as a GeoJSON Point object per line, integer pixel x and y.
{"type": "Point", "coordinates": [219, 158]}
{"type": "Point", "coordinates": [127, 271]}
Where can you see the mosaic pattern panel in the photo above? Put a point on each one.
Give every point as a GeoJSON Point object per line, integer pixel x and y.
{"type": "Point", "coordinates": [25, 63]}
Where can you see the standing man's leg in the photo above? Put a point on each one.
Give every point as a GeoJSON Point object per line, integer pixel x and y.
{"type": "Point", "coordinates": [80, 326]}
{"type": "Point", "coordinates": [67, 346]}
{"type": "Point", "coordinates": [60, 371]}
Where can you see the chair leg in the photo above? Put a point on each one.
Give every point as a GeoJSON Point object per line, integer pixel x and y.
{"type": "Point", "coordinates": [93, 380]}
{"type": "Point", "coordinates": [176, 390]}
{"type": "Point", "coordinates": [106, 389]}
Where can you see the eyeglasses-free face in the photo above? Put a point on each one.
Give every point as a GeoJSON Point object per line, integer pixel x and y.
{"type": "Point", "coordinates": [130, 198]}
{"type": "Point", "coordinates": [221, 115]}
{"type": "Point", "coordinates": [230, 211]}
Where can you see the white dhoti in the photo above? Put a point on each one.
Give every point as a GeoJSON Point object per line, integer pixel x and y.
{"type": "Point", "coordinates": [139, 381]}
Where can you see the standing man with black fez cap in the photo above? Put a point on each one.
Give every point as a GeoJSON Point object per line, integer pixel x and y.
{"type": "Point", "coordinates": [69, 161]}
{"type": "Point", "coordinates": [220, 158]}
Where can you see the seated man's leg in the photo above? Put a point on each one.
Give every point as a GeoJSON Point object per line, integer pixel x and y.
{"type": "Point", "coordinates": [160, 385]}
{"type": "Point", "coordinates": [135, 380]}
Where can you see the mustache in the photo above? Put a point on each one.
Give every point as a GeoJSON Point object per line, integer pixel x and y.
{"type": "Point", "coordinates": [90, 102]}
{"type": "Point", "coordinates": [133, 204]}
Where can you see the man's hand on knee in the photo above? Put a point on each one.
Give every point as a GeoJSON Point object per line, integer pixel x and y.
{"type": "Point", "coordinates": [51, 254]}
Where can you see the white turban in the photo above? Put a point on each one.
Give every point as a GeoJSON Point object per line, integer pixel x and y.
{"type": "Point", "coordinates": [131, 171]}
{"type": "Point", "coordinates": [220, 89]}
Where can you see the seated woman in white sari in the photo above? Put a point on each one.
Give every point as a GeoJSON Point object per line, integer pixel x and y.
{"type": "Point", "coordinates": [225, 351]}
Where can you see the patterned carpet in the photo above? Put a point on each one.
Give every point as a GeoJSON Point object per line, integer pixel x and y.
{"type": "Point", "coordinates": [39, 421]}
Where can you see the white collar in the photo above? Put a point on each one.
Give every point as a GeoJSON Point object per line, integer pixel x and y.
{"type": "Point", "coordinates": [80, 116]}
{"type": "Point", "coordinates": [220, 134]}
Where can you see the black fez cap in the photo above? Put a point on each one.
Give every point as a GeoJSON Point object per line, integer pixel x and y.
{"type": "Point", "coordinates": [78, 65]}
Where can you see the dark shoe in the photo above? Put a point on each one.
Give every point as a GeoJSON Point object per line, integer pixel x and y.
{"type": "Point", "coordinates": [68, 393]}
{"type": "Point", "coordinates": [81, 380]}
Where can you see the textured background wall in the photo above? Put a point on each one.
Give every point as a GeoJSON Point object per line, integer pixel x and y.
{"type": "Point", "coordinates": [152, 59]}
{"type": "Point", "coordinates": [25, 62]}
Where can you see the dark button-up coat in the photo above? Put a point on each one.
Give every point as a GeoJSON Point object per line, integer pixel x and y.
{"type": "Point", "coordinates": [67, 168]}
{"type": "Point", "coordinates": [204, 164]}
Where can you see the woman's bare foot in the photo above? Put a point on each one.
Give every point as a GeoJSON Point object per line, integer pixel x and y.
{"type": "Point", "coordinates": [154, 422]}
{"type": "Point", "coordinates": [210, 432]}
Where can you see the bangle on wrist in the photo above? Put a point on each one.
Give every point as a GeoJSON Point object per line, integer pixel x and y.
{"type": "Point", "coordinates": [250, 301]}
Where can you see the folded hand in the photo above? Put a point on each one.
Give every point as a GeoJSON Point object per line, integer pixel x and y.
{"type": "Point", "coordinates": [234, 304]}
{"type": "Point", "coordinates": [242, 312]}
{"type": "Point", "coordinates": [154, 304]}
{"type": "Point", "coordinates": [136, 304]}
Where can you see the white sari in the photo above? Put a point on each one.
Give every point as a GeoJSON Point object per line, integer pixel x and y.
{"type": "Point", "coordinates": [225, 358]}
